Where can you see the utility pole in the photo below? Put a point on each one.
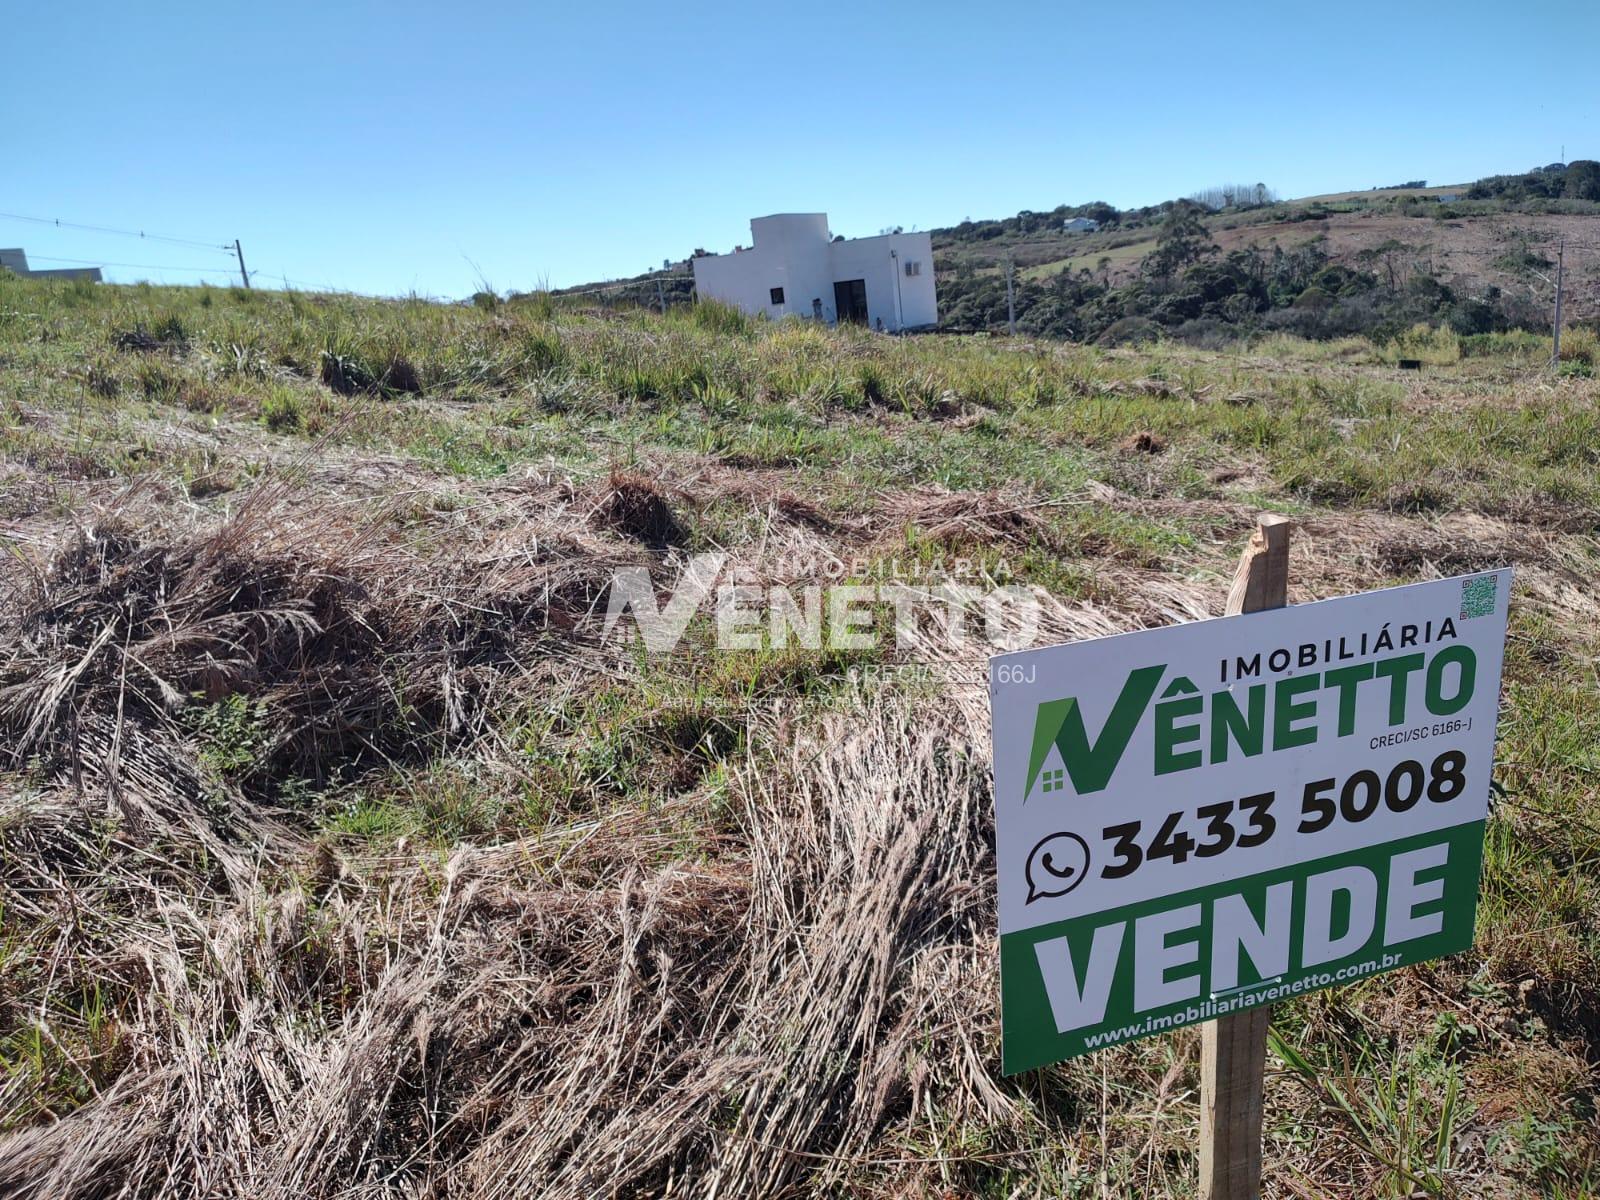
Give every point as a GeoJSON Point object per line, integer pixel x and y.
{"type": "Point", "coordinates": [1011, 303]}
{"type": "Point", "coordinates": [245, 275]}
{"type": "Point", "coordinates": [661, 296]}
{"type": "Point", "coordinates": [1561, 266]}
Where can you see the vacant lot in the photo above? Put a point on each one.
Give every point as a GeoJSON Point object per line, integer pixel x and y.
{"type": "Point", "coordinates": [342, 855]}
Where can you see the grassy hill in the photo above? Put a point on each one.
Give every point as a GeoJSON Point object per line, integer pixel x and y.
{"type": "Point", "coordinates": [342, 853]}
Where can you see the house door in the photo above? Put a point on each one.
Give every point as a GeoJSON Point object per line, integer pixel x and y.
{"type": "Point", "coordinates": [850, 300]}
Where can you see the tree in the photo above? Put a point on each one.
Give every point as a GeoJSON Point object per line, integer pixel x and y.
{"type": "Point", "coordinates": [1183, 239]}
{"type": "Point", "coordinates": [1582, 180]}
{"type": "Point", "coordinates": [1390, 253]}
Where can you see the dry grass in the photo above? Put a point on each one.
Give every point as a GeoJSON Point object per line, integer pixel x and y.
{"type": "Point", "coordinates": [340, 856]}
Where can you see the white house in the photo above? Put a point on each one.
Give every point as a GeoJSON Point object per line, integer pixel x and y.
{"type": "Point", "coordinates": [1080, 225]}
{"type": "Point", "coordinates": [794, 268]}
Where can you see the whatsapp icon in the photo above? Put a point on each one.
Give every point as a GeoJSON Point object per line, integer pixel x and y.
{"type": "Point", "coordinates": [1056, 865]}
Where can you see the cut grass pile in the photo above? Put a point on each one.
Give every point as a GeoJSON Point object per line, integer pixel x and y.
{"type": "Point", "coordinates": [341, 853]}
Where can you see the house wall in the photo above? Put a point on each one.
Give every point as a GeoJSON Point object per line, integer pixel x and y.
{"type": "Point", "coordinates": [15, 261]}
{"type": "Point", "coordinates": [793, 251]}
{"type": "Point", "coordinates": [867, 259]}
{"type": "Point", "coordinates": [902, 301]}
{"type": "Point", "coordinates": [919, 306]}
{"type": "Point", "coordinates": [799, 245]}
{"type": "Point", "coordinates": [790, 251]}
{"type": "Point", "coordinates": [92, 274]}
{"type": "Point", "coordinates": [737, 279]}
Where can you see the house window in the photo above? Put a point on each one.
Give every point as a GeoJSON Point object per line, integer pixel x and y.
{"type": "Point", "coordinates": [913, 268]}
{"type": "Point", "coordinates": [777, 295]}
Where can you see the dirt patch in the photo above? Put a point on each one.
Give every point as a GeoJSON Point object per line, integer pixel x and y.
{"type": "Point", "coordinates": [1143, 442]}
{"type": "Point", "coordinates": [640, 508]}
{"type": "Point", "coordinates": [167, 337]}
{"type": "Point", "coordinates": [987, 516]}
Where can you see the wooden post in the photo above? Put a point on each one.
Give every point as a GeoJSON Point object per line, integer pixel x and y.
{"type": "Point", "coordinates": [1233, 1049]}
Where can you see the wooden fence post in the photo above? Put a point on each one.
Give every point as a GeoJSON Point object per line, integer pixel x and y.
{"type": "Point", "coordinates": [1233, 1049]}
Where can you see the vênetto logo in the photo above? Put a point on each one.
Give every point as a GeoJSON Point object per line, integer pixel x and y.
{"type": "Point", "coordinates": [868, 608]}
{"type": "Point", "coordinates": [1090, 764]}
{"type": "Point", "coordinates": [1191, 728]}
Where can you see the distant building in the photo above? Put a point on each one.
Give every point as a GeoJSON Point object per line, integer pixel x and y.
{"type": "Point", "coordinates": [1080, 225]}
{"type": "Point", "coordinates": [1448, 197]}
{"type": "Point", "coordinates": [16, 262]}
{"type": "Point", "coordinates": [795, 268]}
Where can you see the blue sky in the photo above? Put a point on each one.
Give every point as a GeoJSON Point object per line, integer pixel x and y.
{"type": "Point", "coordinates": [396, 147]}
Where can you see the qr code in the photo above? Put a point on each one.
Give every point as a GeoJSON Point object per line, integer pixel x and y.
{"type": "Point", "coordinates": [1478, 596]}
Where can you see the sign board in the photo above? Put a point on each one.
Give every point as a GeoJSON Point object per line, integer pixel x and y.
{"type": "Point", "coordinates": [1203, 818]}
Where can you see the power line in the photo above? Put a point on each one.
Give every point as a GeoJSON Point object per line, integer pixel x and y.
{"type": "Point", "coordinates": [138, 233]}
{"type": "Point", "coordinates": [94, 262]}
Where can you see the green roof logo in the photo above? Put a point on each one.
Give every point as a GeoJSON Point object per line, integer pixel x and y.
{"type": "Point", "coordinates": [1090, 764]}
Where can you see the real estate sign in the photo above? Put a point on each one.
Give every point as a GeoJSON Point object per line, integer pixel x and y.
{"type": "Point", "coordinates": [1202, 818]}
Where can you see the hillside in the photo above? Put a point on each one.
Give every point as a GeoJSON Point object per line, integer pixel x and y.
{"type": "Point", "coordinates": [1472, 252]}
{"type": "Point", "coordinates": [343, 853]}
{"type": "Point", "coordinates": [1478, 257]}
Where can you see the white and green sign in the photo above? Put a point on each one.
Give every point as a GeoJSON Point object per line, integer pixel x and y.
{"type": "Point", "coordinates": [1207, 817]}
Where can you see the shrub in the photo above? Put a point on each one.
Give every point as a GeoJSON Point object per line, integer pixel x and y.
{"type": "Point", "coordinates": [1580, 345]}
{"type": "Point", "coordinates": [1130, 331]}
{"type": "Point", "coordinates": [540, 305]}
{"type": "Point", "coordinates": [544, 352]}
{"type": "Point", "coordinates": [159, 384]}
{"type": "Point", "coordinates": [352, 372]}
{"type": "Point", "coordinates": [717, 317]}
{"type": "Point", "coordinates": [282, 411]}
{"type": "Point", "coordinates": [871, 382]}
{"type": "Point", "coordinates": [1425, 342]}
{"type": "Point", "coordinates": [1208, 333]}
{"type": "Point", "coordinates": [1519, 343]}
{"type": "Point", "coordinates": [167, 334]}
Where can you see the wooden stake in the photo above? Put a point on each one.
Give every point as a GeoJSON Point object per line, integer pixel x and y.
{"type": "Point", "coordinates": [1262, 580]}
{"type": "Point", "coordinates": [1233, 1049]}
